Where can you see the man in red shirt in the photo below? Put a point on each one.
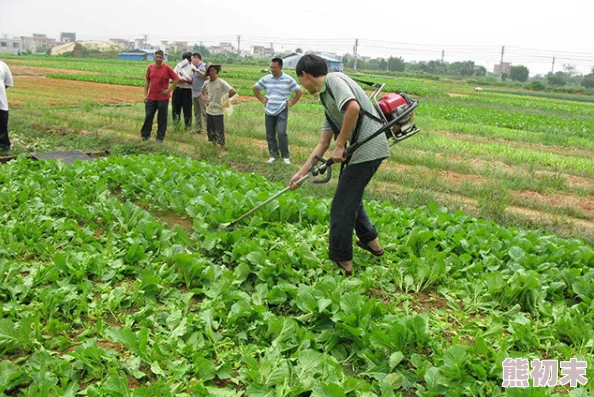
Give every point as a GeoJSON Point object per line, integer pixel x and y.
{"type": "Point", "coordinates": [156, 96]}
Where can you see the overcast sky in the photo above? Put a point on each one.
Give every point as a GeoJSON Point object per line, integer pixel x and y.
{"type": "Point", "coordinates": [531, 31]}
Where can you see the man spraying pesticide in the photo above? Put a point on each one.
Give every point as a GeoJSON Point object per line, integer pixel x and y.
{"type": "Point", "coordinates": [351, 118]}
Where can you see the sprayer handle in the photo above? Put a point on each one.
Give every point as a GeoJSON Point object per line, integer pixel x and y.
{"type": "Point", "coordinates": [324, 168]}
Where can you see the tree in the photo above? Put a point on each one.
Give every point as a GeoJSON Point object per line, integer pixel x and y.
{"type": "Point", "coordinates": [463, 69]}
{"type": "Point", "coordinates": [348, 61]}
{"type": "Point", "coordinates": [299, 50]}
{"type": "Point", "coordinates": [480, 70]}
{"type": "Point", "coordinates": [202, 50]}
{"type": "Point", "coordinates": [588, 81]}
{"type": "Point", "coordinates": [396, 64]}
{"type": "Point", "coordinates": [558, 79]}
{"type": "Point", "coordinates": [519, 73]}
{"type": "Point", "coordinates": [570, 70]}
{"type": "Point", "coordinates": [437, 67]}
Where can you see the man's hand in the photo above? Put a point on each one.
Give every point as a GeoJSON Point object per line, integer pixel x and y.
{"type": "Point", "coordinates": [264, 100]}
{"type": "Point", "coordinates": [165, 92]}
{"type": "Point", "coordinates": [146, 99]}
{"type": "Point", "coordinates": [293, 184]}
{"type": "Point", "coordinates": [338, 154]}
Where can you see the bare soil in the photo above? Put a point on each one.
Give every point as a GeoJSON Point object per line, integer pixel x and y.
{"type": "Point", "coordinates": [63, 92]}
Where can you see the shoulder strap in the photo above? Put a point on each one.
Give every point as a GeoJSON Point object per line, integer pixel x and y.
{"type": "Point", "coordinates": [335, 129]}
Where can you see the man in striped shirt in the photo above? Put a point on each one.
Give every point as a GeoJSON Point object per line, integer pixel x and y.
{"type": "Point", "coordinates": [278, 87]}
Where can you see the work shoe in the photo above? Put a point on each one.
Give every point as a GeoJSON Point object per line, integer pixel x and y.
{"type": "Point", "coordinates": [271, 160]}
{"type": "Point", "coordinates": [287, 161]}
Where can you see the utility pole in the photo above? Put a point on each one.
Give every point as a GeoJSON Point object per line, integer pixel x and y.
{"type": "Point", "coordinates": [553, 67]}
{"type": "Point", "coordinates": [272, 47]}
{"type": "Point", "coordinates": [501, 62]}
{"type": "Point", "coordinates": [238, 43]}
{"type": "Point", "coordinates": [355, 55]}
{"type": "Point", "coordinates": [442, 55]}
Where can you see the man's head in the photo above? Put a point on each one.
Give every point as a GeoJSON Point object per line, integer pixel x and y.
{"type": "Point", "coordinates": [276, 67]}
{"type": "Point", "coordinates": [310, 69]}
{"type": "Point", "coordinates": [212, 70]}
{"type": "Point", "coordinates": [187, 56]}
{"type": "Point", "coordinates": [196, 58]}
{"type": "Point", "coordinates": [159, 56]}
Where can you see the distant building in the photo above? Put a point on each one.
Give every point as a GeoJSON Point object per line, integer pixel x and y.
{"type": "Point", "coordinates": [138, 55]}
{"type": "Point", "coordinates": [223, 48]}
{"type": "Point", "coordinates": [142, 44]}
{"type": "Point", "coordinates": [504, 67]}
{"type": "Point", "coordinates": [37, 43]}
{"type": "Point", "coordinates": [334, 65]}
{"type": "Point", "coordinates": [68, 37]}
{"type": "Point", "coordinates": [261, 51]}
{"type": "Point", "coordinates": [10, 45]}
{"type": "Point", "coordinates": [175, 46]}
{"type": "Point", "coordinates": [125, 44]}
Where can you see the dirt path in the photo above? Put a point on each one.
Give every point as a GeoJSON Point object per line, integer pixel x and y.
{"type": "Point", "coordinates": [29, 71]}
{"type": "Point", "coordinates": [62, 92]}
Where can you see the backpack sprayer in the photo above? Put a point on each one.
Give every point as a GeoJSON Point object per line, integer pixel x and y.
{"type": "Point", "coordinates": [396, 111]}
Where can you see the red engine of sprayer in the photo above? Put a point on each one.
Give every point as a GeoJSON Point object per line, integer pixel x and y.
{"type": "Point", "coordinates": [393, 105]}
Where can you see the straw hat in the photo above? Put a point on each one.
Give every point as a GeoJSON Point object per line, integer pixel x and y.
{"type": "Point", "coordinates": [209, 64]}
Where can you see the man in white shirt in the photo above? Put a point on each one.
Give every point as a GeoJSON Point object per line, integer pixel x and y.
{"type": "Point", "coordinates": [182, 95]}
{"type": "Point", "coordinates": [5, 82]}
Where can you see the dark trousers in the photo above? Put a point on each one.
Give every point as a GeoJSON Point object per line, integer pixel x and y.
{"type": "Point", "coordinates": [276, 126]}
{"type": "Point", "coordinates": [348, 213]}
{"type": "Point", "coordinates": [182, 99]}
{"type": "Point", "coordinates": [151, 108]}
{"type": "Point", "coordinates": [4, 140]}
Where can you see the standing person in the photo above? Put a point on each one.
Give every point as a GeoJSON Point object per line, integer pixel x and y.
{"type": "Point", "coordinates": [5, 82]}
{"type": "Point", "coordinates": [349, 117]}
{"type": "Point", "coordinates": [182, 95]}
{"type": "Point", "coordinates": [278, 87]}
{"type": "Point", "coordinates": [156, 96]}
{"type": "Point", "coordinates": [212, 95]}
{"type": "Point", "coordinates": [198, 79]}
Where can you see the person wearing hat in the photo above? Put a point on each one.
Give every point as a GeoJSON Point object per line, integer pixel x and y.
{"type": "Point", "coordinates": [212, 95]}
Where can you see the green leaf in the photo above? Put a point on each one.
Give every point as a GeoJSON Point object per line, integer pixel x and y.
{"type": "Point", "coordinates": [117, 386]}
{"type": "Point", "coordinates": [434, 379]}
{"type": "Point", "coordinates": [9, 339]}
{"type": "Point", "coordinates": [305, 300]}
{"type": "Point", "coordinates": [395, 359]}
{"type": "Point", "coordinates": [330, 390]}
{"type": "Point", "coordinates": [156, 368]}
{"type": "Point", "coordinates": [10, 374]}
{"type": "Point", "coordinates": [516, 253]}
{"type": "Point", "coordinates": [204, 368]}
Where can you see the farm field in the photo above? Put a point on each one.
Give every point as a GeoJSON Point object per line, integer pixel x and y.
{"type": "Point", "coordinates": [116, 281]}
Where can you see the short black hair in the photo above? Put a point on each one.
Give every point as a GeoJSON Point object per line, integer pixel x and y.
{"type": "Point", "coordinates": [278, 61]}
{"type": "Point", "coordinates": [159, 52]}
{"type": "Point", "coordinates": [197, 54]}
{"type": "Point", "coordinates": [187, 55]}
{"type": "Point", "coordinates": [311, 64]}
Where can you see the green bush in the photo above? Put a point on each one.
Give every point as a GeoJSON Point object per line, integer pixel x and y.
{"type": "Point", "coordinates": [588, 81]}
{"type": "Point", "coordinates": [536, 85]}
